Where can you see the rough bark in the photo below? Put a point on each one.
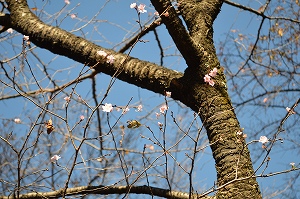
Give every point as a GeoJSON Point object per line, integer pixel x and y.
{"type": "Point", "coordinates": [213, 103]}
{"type": "Point", "coordinates": [235, 173]}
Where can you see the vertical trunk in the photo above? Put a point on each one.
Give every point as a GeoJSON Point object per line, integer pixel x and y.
{"type": "Point", "coordinates": [235, 174]}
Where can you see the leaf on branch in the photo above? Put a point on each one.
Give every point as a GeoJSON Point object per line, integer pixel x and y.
{"type": "Point", "coordinates": [133, 124]}
{"type": "Point", "coordinates": [49, 126]}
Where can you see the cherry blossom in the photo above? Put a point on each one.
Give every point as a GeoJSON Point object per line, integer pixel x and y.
{"type": "Point", "coordinates": [213, 72]}
{"type": "Point", "coordinates": [139, 108]}
{"type": "Point", "coordinates": [10, 30]}
{"type": "Point", "coordinates": [81, 117]}
{"type": "Point", "coordinates": [110, 59]}
{"type": "Point", "coordinates": [163, 108]}
{"type": "Point", "coordinates": [55, 158]}
{"type": "Point", "coordinates": [239, 133]}
{"type": "Point", "coordinates": [133, 5]}
{"type": "Point", "coordinates": [26, 38]}
{"type": "Point", "coordinates": [211, 82]}
{"type": "Point", "coordinates": [102, 53]}
{"type": "Point", "coordinates": [265, 100]}
{"type": "Point", "coordinates": [263, 139]}
{"type": "Point", "coordinates": [291, 111]}
{"type": "Point", "coordinates": [168, 94]}
{"type": "Point", "coordinates": [67, 2]}
{"type": "Point", "coordinates": [150, 146]}
{"type": "Point", "coordinates": [125, 110]}
{"type": "Point", "coordinates": [73, 16]}
{"type": "Point", "coordinates": [17, 120]}
{"type": "Point", "coordinates": [157, 115]}
{"type": "Point", "coordinates": [67, 99]}
{"type": "Point", "coordinates": [208, 79]}
{"type": "Point", "coordinates": [107, 108]}
{"type": "Point", "coordinates": [141, 8]}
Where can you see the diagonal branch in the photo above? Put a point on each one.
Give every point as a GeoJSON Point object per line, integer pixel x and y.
{"type": "Point", "coordinates": [140, 73]}
{"type": "Point", "coordinates": [178, 32]}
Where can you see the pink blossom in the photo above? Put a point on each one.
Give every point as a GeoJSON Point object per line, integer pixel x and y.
{"type": "Point", "coordinates": [67, 2]}
{"type": "Point", "coordinates": [26, 38]}
{"type": "Point", "coordinates": [107, 108]}
{"type": "Point", "coordinates": [168, 93]}
{"type": "Point", "coordinates": [55, 158]}
{"type": "Point", "coordinates": [291, 111]}
{"type": "Point", "coordinates": [263, 139]}
{"type": "Point", "coordinates": [211, 82]}
{"type": "Point", "coordinates": [239, 133]}
{"type": "Point", "coordinates": [163, 108]}
{"type": "Point", "coordinates": [207, 78]}
{"type": "Point", "coordinates": [141, 8]}
{"type": "Point", "coordinates": [67, 99]}
{"type": "Point", "coordinates": [213, 72]}
{"type": "Point", "coordinates": [150, 146]}
{"type": "Point", "coordinates": [81, 117]}
{"type": "Point", "coordinates": [133, 5]}
{"type": "Point", "coordinates": [17, 120]}
{"type": "Point", "coordinates": [73, 16]}
{"type": "Point", "coordinates": [157, 115]}
{"type": "Point", "coordinates": [125, 110]}
{"type": "Point", "coordinates": [156, 13]}
{"type": "Point", "coordinates": [102, 53]}
{"type": "Point", "coordinates": [139, 108]}
{"type": "Point", "coordinates": [110, 59]}
{"type": "Point", "coordinates": [10, 30]}
{"type": "Point", "coordinates": [265, 100]}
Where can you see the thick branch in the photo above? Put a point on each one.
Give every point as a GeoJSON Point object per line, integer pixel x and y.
{"type": "Point", "coordinates": [104, 190]}
{"type": "Point", "coordinates": [140, 73]}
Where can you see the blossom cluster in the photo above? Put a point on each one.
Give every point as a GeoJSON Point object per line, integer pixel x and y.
{"type": "Point", "coordinates": [263, 139]}
{"type": "Point", "coordinates": [208, 77]}
{"type": "Point", "coordinates": [140, 8]}
{"type": "Point", "coordinates": [109, 58]}
{"type": "Point", "coordinates": [55, 158]}
{"type": "Point", "coordinates": [107, 107]}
